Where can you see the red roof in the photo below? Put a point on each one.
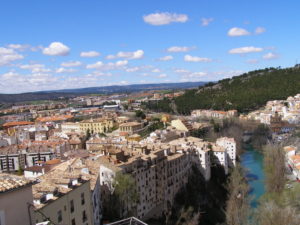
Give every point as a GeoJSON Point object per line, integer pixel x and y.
{"type": "Point", "coordinates": [53, 161]}
{"type": "Point", "coordinates": [17, 123]}
{"type": "Point", "coordinates": [54, 118]}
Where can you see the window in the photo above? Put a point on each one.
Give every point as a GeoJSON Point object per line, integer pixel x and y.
{"type": "Point", "coordinates": [72, 206]}
{"type": "Point", "coordinates": [95, 200]}
{"type": "Point", "coordinates": [82, 199]}
{"type": "Point", "coordinates": [59, 216]}
{"type": "Point", "coordinates": [84, 217]}
{"type": "Point", "coordinates": [73, 222]}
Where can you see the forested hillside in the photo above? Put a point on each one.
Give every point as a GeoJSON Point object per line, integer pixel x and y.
{"type": "Point", "coordinates": [245, 92]}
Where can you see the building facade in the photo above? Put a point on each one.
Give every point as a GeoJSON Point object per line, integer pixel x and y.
{"type": "Point", "coordinates": [15, 194]}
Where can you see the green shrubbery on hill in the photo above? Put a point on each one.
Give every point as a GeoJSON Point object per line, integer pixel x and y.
{"type": "Point", "coordinates": [246, 92]}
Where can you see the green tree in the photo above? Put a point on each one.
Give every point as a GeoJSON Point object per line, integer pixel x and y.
{"type": "Point", "coordinates": [88, 134]}
{"type": "Point", "coordinates": [246, 92]}
{"type": "Point", "coordinates": [140, 114]}
{"type": "Point", "coordinates": [126, 193]}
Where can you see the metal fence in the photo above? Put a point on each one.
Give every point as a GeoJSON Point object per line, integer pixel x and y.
{"type": "Point", "coordinates": [128, 221]}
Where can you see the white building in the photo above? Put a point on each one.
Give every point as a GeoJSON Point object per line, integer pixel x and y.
{"type": "Point", "coordinates": [69, 127]}
{"type": "Point", "coordinates": [230, 146]}
{"type": "Point", "coordinates": [219, 156]}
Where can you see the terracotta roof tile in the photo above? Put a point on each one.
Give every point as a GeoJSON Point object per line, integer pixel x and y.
{"type": "Point", "coordinates": [17, 123]}
{"type": "Point", "coordinates": [9, 182]}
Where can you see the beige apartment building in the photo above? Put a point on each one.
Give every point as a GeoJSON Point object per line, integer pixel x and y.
{"type": "Point", "coordinates": [160, 170]}
{"type": "Point", "coordinates": [214, 114]}
{"type": "Point", "coordinates": [15, 194]}
{"type": "Point", "coordinates": [63, 198]}
{"type": "Point", "coordinates": [158, 176]}
{"type": "Point", "coordinates": [101, 125]}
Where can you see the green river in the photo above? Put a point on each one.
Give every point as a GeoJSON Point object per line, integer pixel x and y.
{"type": "Point", "coordinates": [252, 161]}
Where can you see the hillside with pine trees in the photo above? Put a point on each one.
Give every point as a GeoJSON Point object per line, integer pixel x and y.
{"type": "Point", "coordinates": [245, 93]}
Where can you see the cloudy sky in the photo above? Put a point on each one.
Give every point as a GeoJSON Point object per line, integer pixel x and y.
{"type": "Point", "coordinates": [59, 44]}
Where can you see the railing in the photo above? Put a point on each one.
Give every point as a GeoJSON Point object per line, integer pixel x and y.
{"type": "Point", "coordinates": [128, 221]}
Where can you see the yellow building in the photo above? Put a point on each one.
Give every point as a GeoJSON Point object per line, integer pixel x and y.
{"type": "Point", "coordinates": [134, 137]}
{"type": "Point", "coordinates": [165, 118]}
{"type": "Point", "coordinates": [130, 128]}
{"type": "Point", "coordinates": [181, 125]}
{"type": "Point", "coordinates": [101, 125]}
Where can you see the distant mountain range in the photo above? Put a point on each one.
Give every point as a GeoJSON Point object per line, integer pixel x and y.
{"type": "Point", "coordinates": [68, 93]}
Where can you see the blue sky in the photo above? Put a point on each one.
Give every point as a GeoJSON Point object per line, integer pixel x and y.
{"type": "Point", "coordinates": [58, 44]}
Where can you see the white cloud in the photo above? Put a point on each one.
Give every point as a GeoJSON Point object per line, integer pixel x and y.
{"type": "Point", "coordinates": [194, 75]}
{"type": "Point", "coordinates": [156, 70]}
{"type": "Point", "coordinates": [245, 50]}
{"type": "Point", "coordinates": [158, 19]}
{"type": "Point", "coordinates": [89, 54]}
{"type": "Point", "coordinates": [57, 48]}
{"type": "Point", "coordinates": [17, 83]}
{"type": "Point", "coordinates": [189, 58]}
{"type": "Point", "coordinates": [96, 65]}
{"type": "Point", "coordinates": [8, 55]}
{"type": "Point", "coordinates": [9, 75]}
{"type": "Point", "coordinates": [20, 47]}
{"type": "Point", "coordinates": [38, 79]}
{"type": "Point", "coordinates": [226, 74]}
{"type": "Point", "coordinates": [132, 69]}
{"type": "Point", "coordinates": [35, 68]}
{"type": "Point", "coordinates": [110, 57]}
{"type": "Point", "coordinates": [206, 21]}
{"type": "Point", "coordinates": [31, 66]}
{"type": "Point", "coordinates": [260, 30]}
{"type": "Point", "coordinates": [64, 70]}
{"type": "Point", "coordinates": [138, 54]}
{"type": "Point", "coordinates": [163, 75]}
{"type": "Point", "coordinates": [119, 63]}
{"type": "Point", "coordinates": [123, 82]}
{"type": "Point", "coordinates": [99, 73]}
{"type": "Point", "coordinates": [270, 55]}
{"type": "Point", "coordinates": [180, 49]}
{"type": "Point", "coordinates": [166, 58]}
{"type": "Point", "coordinates": [109, 66]}
{"type": "Point", "coordinates": [14, 82]}
{"type": "Point", "coordinates": [6, 51]}
{"type": "Point", "coordinates": [181, 71]}
{"type": "Point", "coordinates": [235, 31]}
{"type": "Point", "coordinates": [71, 64]}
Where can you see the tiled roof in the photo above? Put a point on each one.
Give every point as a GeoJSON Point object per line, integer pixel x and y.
{"type": "Point", "coordinates": [17, 123]}
{"type": "Point", "coordinates": [129, 124]}
{"type": "Point", "coordinates": [53, 161]}
{"type": "Point", "coordinates": [54, 118]}
{"type": "Point", "coordinates": [10, 182]}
